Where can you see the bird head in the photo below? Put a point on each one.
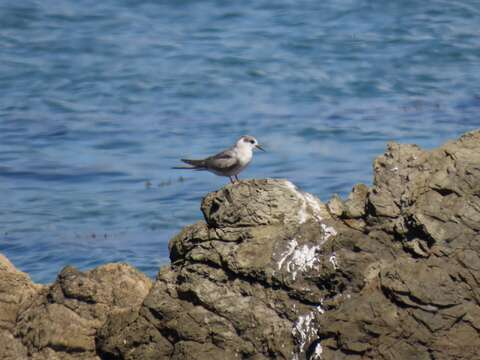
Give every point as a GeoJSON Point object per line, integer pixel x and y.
{"type": "Point", "coordinates": [249, 142]}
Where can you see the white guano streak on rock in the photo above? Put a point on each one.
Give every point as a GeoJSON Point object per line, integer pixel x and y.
{"type": "Point", "coordinates": [308, 200]}
{"type": "Point", "coordinates": [303, 258]}
{"type": "Point", "coordinates": [291, 248]}
{"type": "Point", "coordinates": [317, 353]}
{"type": "Point", "coordinates": [333, 260]}
{"type": "Point", "coordinates": [302, 213]}
{"type": "Point", "coordinates": [320, 309]}
{"type": "Point", "coordinates": [304, 331]}
{"type": "Point", "coordinates": [328, 231]}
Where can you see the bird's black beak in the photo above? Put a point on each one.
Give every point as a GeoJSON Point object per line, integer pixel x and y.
{"type": "Point", "coordinates": [259, 147]}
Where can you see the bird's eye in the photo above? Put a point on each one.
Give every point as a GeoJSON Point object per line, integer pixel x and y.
{"type": "Point", "coordinates": [252, 142]}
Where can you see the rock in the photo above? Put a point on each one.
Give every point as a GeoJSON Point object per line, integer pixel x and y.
{"type": "Point", "coordinates": [352, 212]}
{"type": "Point", "coordinates": [260, 202]}
{"type": "Point", "coordinates": [240, 281]}
{"type": "Point", "coordinates": [62, 321]}
{"type": "Point", "coordinates": [356, 202]}
{"type": "Point", "coordinates": [16, 292]}
{"type": "Point", "coordinates": [417, 305]}
{"type": "Point", "coordinates": [335, 206]}
{"type": "Point", "coordinates": [393, 272]}
{"type": "Point", "coordinates": [16, 289]}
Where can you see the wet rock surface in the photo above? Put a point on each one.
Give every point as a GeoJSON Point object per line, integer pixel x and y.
{"type": "Point", "coordinates": [392, 272]}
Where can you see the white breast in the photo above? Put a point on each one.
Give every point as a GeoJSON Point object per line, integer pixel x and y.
{"type": "Point", "coordinates": [244, 156]}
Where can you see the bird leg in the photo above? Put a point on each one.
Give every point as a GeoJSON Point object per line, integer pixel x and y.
{"type": "Point", "coordinates": [236, 177]}
{"type": "Point", "coordinates": [231, 180]}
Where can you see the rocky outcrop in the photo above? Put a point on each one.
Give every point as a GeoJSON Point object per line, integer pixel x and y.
{"type": "Point", "coordinates": [239, 282]}
{"type": "Point", "coordinates": [423, 301]}
{"type": "Point", "coordinates": [16, 290]}
{"type": "Point", "coordinates": [61, 321]}
{"type": "Point", "coordinates": [392, 272]}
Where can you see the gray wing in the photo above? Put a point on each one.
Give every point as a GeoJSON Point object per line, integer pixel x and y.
{"type": "Point", "coordinates": [222, 161]}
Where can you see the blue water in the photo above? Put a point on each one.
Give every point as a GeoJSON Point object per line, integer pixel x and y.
{"type": "Point", "coordinates": [99, 99]}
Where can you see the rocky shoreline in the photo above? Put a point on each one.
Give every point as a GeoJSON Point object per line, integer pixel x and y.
{"type": "Point", "coordinates": [393, 272]}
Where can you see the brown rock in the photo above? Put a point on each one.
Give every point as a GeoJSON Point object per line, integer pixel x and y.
{"type": "Point", "coordinates": [391, 273]}
{"type": "Point", "coordinates": [16, 292]}
{"type": "Point", "coordinates": [63, 320]}
{"type": "Point", "coordinates": [356, 202]}
{"type": "Point", "coordinates": [231, 292]}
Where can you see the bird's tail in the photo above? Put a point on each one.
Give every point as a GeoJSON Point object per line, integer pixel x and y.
{"type": "Point", "coordinates": [184, 167]}
{"type": "Point", "coordinates": [195, 164]}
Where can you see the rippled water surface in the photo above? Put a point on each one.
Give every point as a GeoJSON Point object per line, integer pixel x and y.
{"type": "Point", "coordinates": [100, 98]}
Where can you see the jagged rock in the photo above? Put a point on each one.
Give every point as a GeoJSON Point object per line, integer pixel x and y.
{"type": "Point", "coordinates": [353, 210]}
{"type": "Point", "coordinates": [16, 291]}
{"type": "Point", "coordinates": [393, 275]}
{"type": "Point", "coordinates": [420, 305]}
{"type": "Point", "coordinates": [240, 281]}
{"type": "Point", "coordinates": [16, 288]}
{"type": "Point", "coordinates": [62, 321]}
{"type": "Point", "coordinates": [356, 202]}
{"type": "Point", "coordinates": [393, 272]}
{"type": "Point", "coordinates": [336, 206]}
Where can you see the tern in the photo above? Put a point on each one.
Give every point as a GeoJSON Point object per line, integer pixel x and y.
{"type": "Point", "coordinates": [229, 162]}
